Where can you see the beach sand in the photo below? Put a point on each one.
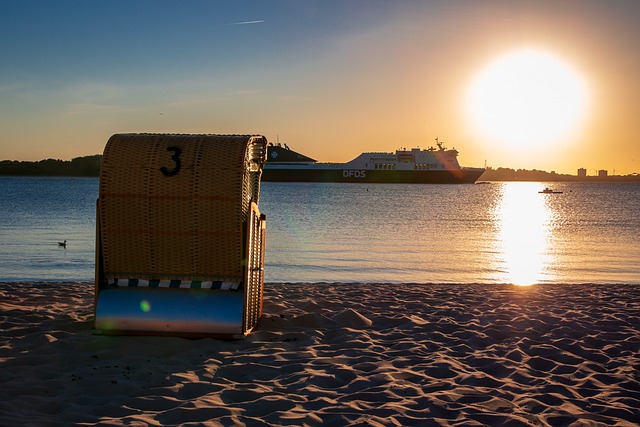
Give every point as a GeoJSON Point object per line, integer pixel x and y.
{"type": "Point", "coordinates": [334, 354]}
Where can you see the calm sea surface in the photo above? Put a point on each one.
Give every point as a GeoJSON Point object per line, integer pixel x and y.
{"type": "Point", "coordinates": [317, 232]}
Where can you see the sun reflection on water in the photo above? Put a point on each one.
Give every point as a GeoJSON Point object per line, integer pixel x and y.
{"type": "Point", "coordinates": [523, 218]}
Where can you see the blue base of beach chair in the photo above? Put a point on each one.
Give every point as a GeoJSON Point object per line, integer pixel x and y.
{"type": "Point", "coordinates": [182, 312]}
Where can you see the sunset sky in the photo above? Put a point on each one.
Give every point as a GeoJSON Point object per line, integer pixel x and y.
{"type": "Point", "coordinates": [550, 85]}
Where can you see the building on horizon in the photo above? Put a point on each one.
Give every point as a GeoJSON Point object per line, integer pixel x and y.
{"type": "Point", "coordinates": [582, 173]}
{"type": "Point", "coordinates": [603, 173]}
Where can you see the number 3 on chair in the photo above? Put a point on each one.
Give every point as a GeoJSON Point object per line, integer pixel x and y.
{"type": "Point", "coordinates": [176, 158]}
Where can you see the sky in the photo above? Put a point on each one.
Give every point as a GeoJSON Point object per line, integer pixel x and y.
{"type": "Point", "coordinates": [329, 78]}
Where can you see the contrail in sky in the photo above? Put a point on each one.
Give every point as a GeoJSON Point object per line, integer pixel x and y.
{"type": "Point", "coordinates": [247, 22]}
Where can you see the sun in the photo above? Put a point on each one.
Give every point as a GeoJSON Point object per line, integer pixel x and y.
{"type": "Point", "coordinates": [527, 98]}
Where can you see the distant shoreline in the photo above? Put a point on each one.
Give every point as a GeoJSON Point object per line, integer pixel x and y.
{"type": "Point", "coordinates": [506, 174]}
{"type": "Point", "coordinates": [89, 166]}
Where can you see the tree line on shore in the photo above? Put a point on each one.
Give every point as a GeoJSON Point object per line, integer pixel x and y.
{"type": "Point", "coordinates": [89, 166]}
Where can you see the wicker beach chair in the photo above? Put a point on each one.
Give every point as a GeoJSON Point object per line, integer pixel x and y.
{"type": "Point", "coordinates": [180, 239]}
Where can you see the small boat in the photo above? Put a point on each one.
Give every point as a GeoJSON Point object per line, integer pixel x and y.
{"type": "Point", "coordinates": [548, 190]}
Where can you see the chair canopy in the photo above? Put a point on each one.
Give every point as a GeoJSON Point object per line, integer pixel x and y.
{"type": "Point", "coordinates": [174, 207]}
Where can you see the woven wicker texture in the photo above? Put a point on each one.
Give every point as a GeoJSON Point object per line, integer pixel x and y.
{"type": "Point", "coordinates": [255, 274]}
{"type": "Point", "coordinates": [174, 206]}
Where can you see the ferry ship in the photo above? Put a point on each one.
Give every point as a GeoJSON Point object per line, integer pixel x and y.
{"type": "Point", "coordinates": [414, 166]}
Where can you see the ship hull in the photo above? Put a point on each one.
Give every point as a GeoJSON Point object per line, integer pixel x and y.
{"type": "Point", "coordinates": [462, 176]}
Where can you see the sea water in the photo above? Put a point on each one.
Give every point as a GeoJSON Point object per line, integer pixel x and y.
{"type": "Point", "coordinates": [501, 232]}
